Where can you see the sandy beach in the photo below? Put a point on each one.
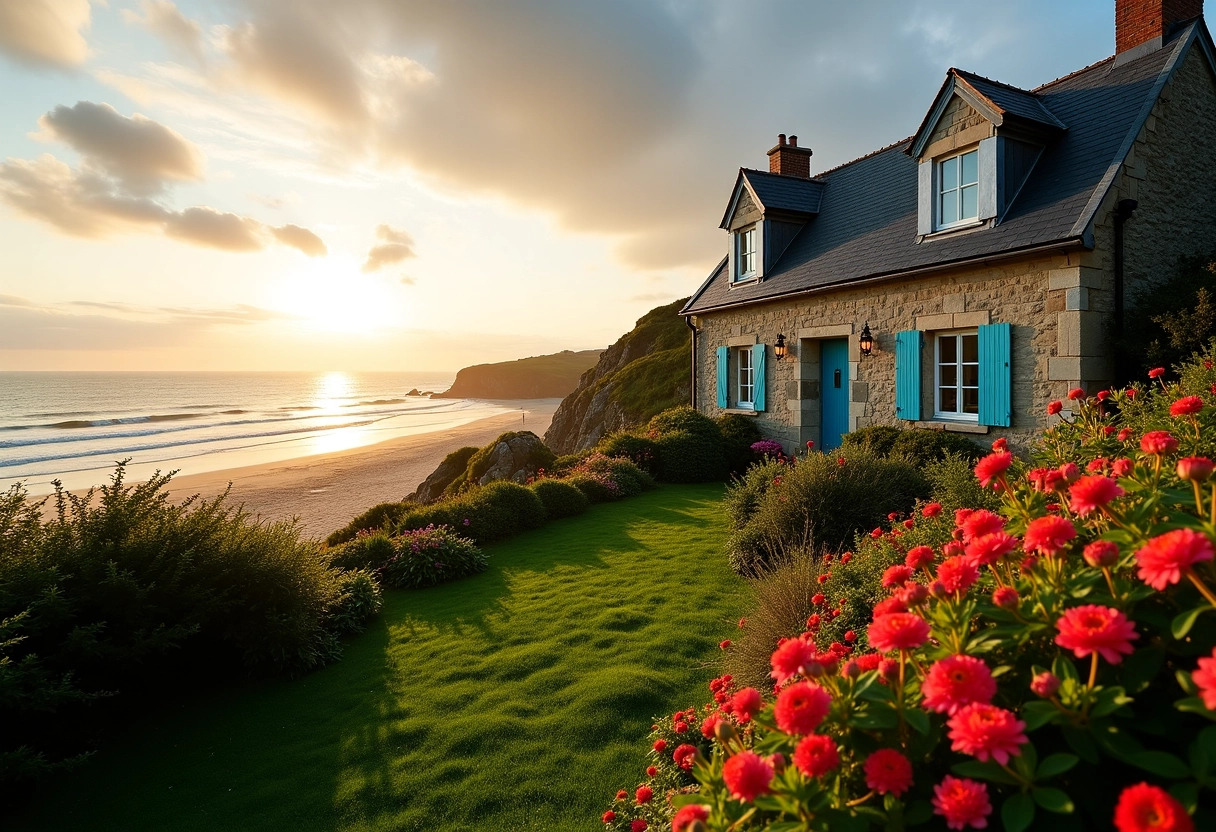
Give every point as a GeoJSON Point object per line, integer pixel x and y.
{"type": "Point", "coordinates": [327, 490]}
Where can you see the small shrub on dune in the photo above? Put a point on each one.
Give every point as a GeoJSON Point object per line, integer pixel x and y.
{"type": "Point", "coordinates": [560, 498]}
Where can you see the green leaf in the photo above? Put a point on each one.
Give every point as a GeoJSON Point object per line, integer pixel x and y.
{"type": "Point", "coordinates": [1083, 743]}
{"type": "Point", "coordinates": [1160, 763]}
{"type": "Point", "coordinates": [1064, 668]}
{"type": "Point", "coordinates": [918, 719]}
{"type": "Point", "coordinates": [1187, 794]}
{"type": "Point", "coordinates": [1194, 705]}
{"type": "Point", "coordinates": [1186, 682]}
{"type": "Point", "coordinates": [920, 811]}
{"type": "Point", "coordinates": [1053, 800]}
{"type": "Point", "coordinates": [1038, 714]}
{"type": "Point", "coordinates": [984, 771]}
{"type": "Point", "coordinates": [1183, 622]}
{"type": "Point", "coordinates": [1018, 813]}
{"type": "Point", "coordinates": [1055, 765]}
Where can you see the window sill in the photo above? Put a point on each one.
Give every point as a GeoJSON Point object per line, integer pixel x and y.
{"type": "Point", "coordinates": [955, 229]}
{"type": "Point", "coordinates": [744, 281]}
{"type": "Point", "coordinates": [743, 411]}
{"type": "Point", "coordinates": [952, 427]}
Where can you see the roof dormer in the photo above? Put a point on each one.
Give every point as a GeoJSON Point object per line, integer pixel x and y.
{"type": "Point", "coordinates": [766, 210]}
{"type": "Point", "coordinates": [974, 150]}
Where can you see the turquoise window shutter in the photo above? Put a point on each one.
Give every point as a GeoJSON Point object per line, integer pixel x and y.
{"type": "Point", "coordinates": [758, 353]}
{"type": "Point", "coordinates": [907, 374]}
{"type": "Point", "coordinates": [996, 403]}
{"type": "Point", "coordinates": [723, 375]}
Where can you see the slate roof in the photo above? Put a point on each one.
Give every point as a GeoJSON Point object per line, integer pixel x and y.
{"type": "Point", "coordinates": [1008, 99]}
{"type": "Point", "coordinates": [784, 193]}
{"type": "Point", "coordinates": [866, 228]}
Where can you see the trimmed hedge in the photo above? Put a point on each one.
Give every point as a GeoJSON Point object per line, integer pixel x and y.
{"type": "Point", "coordinates": [485, 514]}
{"type": "Point", "coordinates": [689, 445]}
{"type": "Point", "coordinates": [377, 517]}
{"type": "Point", "coordinates": [560, 498]}
{"type": "Point", "coordinates": [640, 450]}
{"type": "Point", "coordinates": [738, 434]}
{"type": "Point", "coordinates": [917, 444]}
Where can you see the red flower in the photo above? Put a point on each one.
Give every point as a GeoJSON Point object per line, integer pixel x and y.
{"type": "Point", "coordinates": [918, 556]}
{"type": "Point", "coordinates": [818, 598]}
{"type": "Point", "coordinates": [638, 825]}
{"type": "Point", "coordinates": [1075, 394]}
{"type": "Point", "coordinates": [985, 731]}
{"type": "Point", "coordinates": [651, 771]}
{"type": "Point", "coordinates": [724, 644]}
{"type": "Point", "coordinates": [684, 756]}
{"type": "Point", "coordinates": [622, 795]}
{"type": "Point", "coordinates": [957, 574]}
{"type": "Point", "coordinates": [1069, 472]}
{"type": "Point", "coordinates": [1000, 444]}
{"type": "Point", "coordinates": [1186, 406]}
{"type": "Point", "coordinates": [801, 707]}
{"type": "Point", "coordinates": [1103, 395]}
{"type": "Point", "coordinates": [1048, 535]}
{"type": "Point", "coordinates": [895, 575]}
{"type": "Point", "coordinates": [1158, 442]}
{"type": "Point", "coordinates": [1091, 628]}
{"type": "Point", "coordinates": [816, 755]}
{"type": "Point", "coordinates": [1101, 553]}
{"type": "Point", "coordinates": [1124, 434]}
{"type": "Point", "coordinates": [1164, 558]}
{"type": "Point", "coordinates": [956, 681]}
{"type": "Point", "coordinates": [1054, 407]}
{"type": "Point", "coordinates": [1205, 679]}
{"type": "Point", "coordinates": [681, 726]}
{"type": "Point", "coordinates": [1092, 492]}
{"type": "Point", "coordinates": [962, 802]}
{"type": "Point", "coordinates": [888, 606]}
{"type": "Point", "coordinates": [747, 775]}
{"type": "Point", "coordinates": [1145, 808]}
{"type": "Point", "coordinates": [1156, 372]}
{"type": "Point", "coordinates": [876, 533]}
{"type": "Point", "coordinates": [745, 704]}
{"type": "Point", "coordinates": [792, 658]}
{"type": "Point", "coordinates": [979, 523]}
{"type": "Point", "coordinates": [888, 772]}
{"type": "Point", "coordinates": [684, 818]}
{"type": "Point", "coordinates": [931, 509]}
{"type": "Point", "coordinates": [1006, 597]}
{"type": "Point", "coordinates": [709, 724]}
{"type": "Point", "coordinates": [609, 816]}
{"type": "Point", "coordinates": [1121, 467]}
{"type": "Point", "coordinates": [1194, 468]}
{"type": "Point", "coordinates": [990, 548]}
{"type": "Point", "coordinates": [1045, 684]}
{"type": "Point", "coordinates": [643, 794]}
{"type": "Point", "coordinates": [992, 467]}
{"type": "Point", "coordinates": [898, 631]}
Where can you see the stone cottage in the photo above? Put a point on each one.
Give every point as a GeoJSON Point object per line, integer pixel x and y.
{"type": "Point", "coordinates": [989, 258]}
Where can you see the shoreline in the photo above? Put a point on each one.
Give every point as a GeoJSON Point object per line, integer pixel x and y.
{"type": "Point", "coordinates": [324, 491]}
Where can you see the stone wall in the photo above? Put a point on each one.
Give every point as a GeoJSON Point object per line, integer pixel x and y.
{"type": "Point", "coordinates": [1017, 292]}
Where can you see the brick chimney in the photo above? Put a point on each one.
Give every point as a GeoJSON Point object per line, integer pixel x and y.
{"type": "Point", "coordinates": [788, 159]}
{"type": "Point", "coordinates": [1139, 22]}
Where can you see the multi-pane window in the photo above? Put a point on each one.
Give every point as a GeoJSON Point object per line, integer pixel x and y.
{"type": "Point", "coordinates": [957, 376]}
{"type": "Point", "coordinates": [746, 256]}
{"type": "Point", "coordinates": [747, 378]}
{"type": "Point", "coordinates": [958, 189]}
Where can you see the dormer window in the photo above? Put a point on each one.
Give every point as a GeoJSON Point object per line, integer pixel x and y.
{"type": "Point", "coordinates": [745, 253]}
{"type": "Point", "coordinates": [958, 190]}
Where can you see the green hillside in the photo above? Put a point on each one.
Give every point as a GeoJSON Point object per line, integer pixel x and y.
{"type": "Point", "coordinates": [538, 377]}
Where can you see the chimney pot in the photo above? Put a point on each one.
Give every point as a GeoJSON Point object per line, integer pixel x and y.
{"type": "Point", "coordinates": [788, 159]}
{"type": "Point", "coordinates": [781, 138]}
{"type": "Point", "coordinates": [793, 141]}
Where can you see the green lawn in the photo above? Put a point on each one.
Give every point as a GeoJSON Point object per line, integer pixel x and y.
{"type": "Point", "coordinates": [518, 699]}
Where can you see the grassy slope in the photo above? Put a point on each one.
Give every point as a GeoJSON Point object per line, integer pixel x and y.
{"type": "Point", "coordinates": [538, 377]}
{"type": "Point", "coordinates": [517, 699]}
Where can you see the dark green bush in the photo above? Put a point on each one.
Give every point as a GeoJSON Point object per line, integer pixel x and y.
{"type": "Point", "coordinates": [595, 490]}
{"type": "Point", "coordinates": [377, 517]}
{"type": "Point", "coordinates": [369, 550]}
{"type": "Point", "coordinates": [878, 439]}
{"type": "Point", "coordinates": [820, 505]}
{"type": "Point", "coordinates": [539, 458]}
{"type": "Point", "coordinates": [952, 483]}
{"type": "Point", "coordinates": [359, 602]}
{"type": "Point", "coordinates": [738, 433]}
{"type": "Point", "coordinates": [629, 479]}
{"type": "Point", "coordinates": [639, 450]}
{"type": "Point", "coordinates": [917, 444]}
{"type": "Point", "coordinates": [566, 463]}
{"type": "Point", "coordinates": [430, 556]}
{"type": "Point", "coordinates": [744, 493]}
{"type": "Point", "coordinates": [560, 498]}
{"type": "Point", "coordinates": [689, 446]}
{"type": "Point", "coordinates": [484, 514]}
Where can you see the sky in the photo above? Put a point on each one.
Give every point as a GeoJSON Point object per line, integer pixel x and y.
{"type": "Point", "coordinates": [423, 185]}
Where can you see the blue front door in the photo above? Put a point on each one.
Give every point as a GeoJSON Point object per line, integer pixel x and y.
{"type": "Point", "coordinates": [834, 391]}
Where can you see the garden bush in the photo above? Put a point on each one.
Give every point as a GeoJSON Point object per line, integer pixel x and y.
{"type": "Point", "coordinates": [916, 444]}
{"type": "Point", "coordinates": [359, 602]}
{"type": "Point", "coordinates": [560, 498]}
{"type": "Point", "coordinates": [485, 514]}
{"type": "Point", "coordinates": [952, 483]}
{"type": "Point", "coordinates": [369, 550]}
{"type": "Point", "coordinates": [430, 556]}
{"type": "Point", "coordinates": [745, 492]}
{"type": "Point", "coordinates": [639, 450]}
{"type": "Point", "coordinates": [820, 501]}
{"type": "Point", "coordinates": [689, 446]}
{"type": "Point", "coordinates": [378, 516]}
{"type": "Point", "coordinates": [738, 432]}
{"type": "Point", "coordinates": [1049, 667]}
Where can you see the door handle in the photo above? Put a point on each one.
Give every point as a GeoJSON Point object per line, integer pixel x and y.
{"type": "Point", "coordinates": [836, 379]}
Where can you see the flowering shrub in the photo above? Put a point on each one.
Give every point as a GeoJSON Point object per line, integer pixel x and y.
{"type": "Point", "coordinates": [767, 447]}
{"type": "Point", "coordinates": [1049, 666]}
{"type": "Point", "coordinates": [429, 556]}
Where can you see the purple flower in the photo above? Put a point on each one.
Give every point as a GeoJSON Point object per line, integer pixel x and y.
{"type": "Point", "coordinates": [767, 447]}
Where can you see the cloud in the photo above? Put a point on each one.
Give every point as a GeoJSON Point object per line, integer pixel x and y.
{"type": "Point", "coordinates": [45, 33]}
{"type": "Point", "coordinates": [395, 247]}
{"type": "Point", "coordinates": [300, 238]}
{"type": "Point", "coordinates": [406, 280]}
{"type": "Point", "coordinates": [140, 153]}
{"type": "Point", "coordinates": [163, 19]}
{"type": "Point", "coordinates": [216, 229]}
{"type": "Point", "coordinates": [13, 300]}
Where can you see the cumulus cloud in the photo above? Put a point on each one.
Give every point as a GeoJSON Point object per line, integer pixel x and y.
{"type": "Point", "coordinates": [140, 153]}
{"type": "Point", "coordinates": [394, 247]}
{"type": "Point", "coordinates": [165, 20]}
{"type": "Point", "coordinates": [300, 238]}
{"type": "Point", "coordinates": [45, 32]}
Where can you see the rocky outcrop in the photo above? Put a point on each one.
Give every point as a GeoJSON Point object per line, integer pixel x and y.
{"type": "Point", "coordinates": [453, 466]}
{"type": "Point", "coordinates": [514, 457]}
{"type": "Point", "coordinates": [538, 377]}
{"type": "Point", "coordinates": [643, 373]}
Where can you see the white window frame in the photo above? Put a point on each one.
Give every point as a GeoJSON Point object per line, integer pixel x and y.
{"type": "Point", "coordinates": [941, 195]}
{"type": "Point", "coordinates": [956, 415]}
{"type": "Point", "coordinates": [746, 251]}
{"type": "Point", "coordinates": [745, 379]}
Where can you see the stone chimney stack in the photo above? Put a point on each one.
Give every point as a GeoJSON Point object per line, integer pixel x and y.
{"type": "Point", "coordinates": [788, 159]}
{"type": "Point", "coordinates": [1148, 23]}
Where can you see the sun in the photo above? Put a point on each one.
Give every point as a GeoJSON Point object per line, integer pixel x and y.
{"type": "Point", "coordinates": [332, 294]}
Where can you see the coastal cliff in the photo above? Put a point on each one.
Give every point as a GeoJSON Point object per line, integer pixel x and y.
{"type": "Point", "coordinates": [643, 373]}
{"type": "Point", "coordinates": [538, 377]}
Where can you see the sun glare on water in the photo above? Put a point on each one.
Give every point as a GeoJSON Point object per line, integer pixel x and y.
{"type": "Point", "coordinates": [331, 294]}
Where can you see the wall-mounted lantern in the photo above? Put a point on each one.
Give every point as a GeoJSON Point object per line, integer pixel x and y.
{"type": "Point", "coordinates": [867, 340]}
{"type": "Point", "coordinates": [779, 348]}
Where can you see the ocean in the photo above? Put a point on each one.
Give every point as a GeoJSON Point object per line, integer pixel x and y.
{"type": "Point", "coordinates": [74, 426]}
